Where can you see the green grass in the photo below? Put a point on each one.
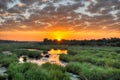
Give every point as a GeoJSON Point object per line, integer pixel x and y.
{"type": "Point", "coordinates": [100, 56]}
{"type": "Point", "coordinates": [31, 54]}
{"type": "Point", "coordinates": [93, 63]}
{"type": "Point", "coordinates": [29, 71]}
{"type": "Point", "coordinates": [6, 60]}
{"type": "Point", "coordinates": [90, 63]}
{"type": "Point", "coordinates": [92, 72]}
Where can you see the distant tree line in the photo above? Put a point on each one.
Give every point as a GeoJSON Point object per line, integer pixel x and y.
{"type": "Point", "coordinates": [92, 42]}
{"type": "Point", "coordinates": [6, 41]}
{"type": "Point", "coordinates": [13, 41]}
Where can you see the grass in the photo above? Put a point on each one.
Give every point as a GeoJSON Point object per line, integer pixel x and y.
{"type": "Point", "coordinates": [100, 56]}
{"type": "Point", "coordinates": [91, 72]}
{"type": "Point", "coordinates": [6, 60]}
{"type": "Point", "coordinates": [90, 63]}
{"type": "Point", "coordinates": [29, 71]}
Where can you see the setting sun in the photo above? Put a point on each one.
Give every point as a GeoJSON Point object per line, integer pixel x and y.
{"type": "Point", "coordinates": [59, 39]}
{"type": "Point", "coordinates": [58, 35]}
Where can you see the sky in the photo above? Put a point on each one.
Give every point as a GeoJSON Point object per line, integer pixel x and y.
{"type": "Point", "coordinates": [34, 20]}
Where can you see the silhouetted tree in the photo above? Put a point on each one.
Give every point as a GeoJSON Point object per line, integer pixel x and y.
{"type": "Point", "coordinates": [93, 42]}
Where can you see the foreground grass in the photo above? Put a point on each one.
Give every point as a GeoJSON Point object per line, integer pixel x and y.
{"type": "Point", "coordinates": [29, 71]}
{"type": "Point", "coordinates": [105, 57]}
{"type": "Point", "coordinates": [90, 72]}
{"type": "Point", "coordinates": [90, 63]}
{"type": "Point", "coordinates": [94, 63]}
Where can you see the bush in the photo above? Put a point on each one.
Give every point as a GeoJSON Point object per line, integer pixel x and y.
{"type": "Point", "coordinates": [56, 72]}
{"type": "Point", "coordinates": [6, 60]}
{"type": "Point", "coordinates": [29, 71]}
{"type": "Point", "coordinates": [91, 72]}
{"type": "Point", "coordinates": [3, 77]}
{"type": "Point", "coordinates": [31, 54]}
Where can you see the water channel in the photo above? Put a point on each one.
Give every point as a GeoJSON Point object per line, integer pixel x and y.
{"type": "Point", "coordinates": [41, 61]}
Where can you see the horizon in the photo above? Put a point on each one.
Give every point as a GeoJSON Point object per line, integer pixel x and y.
{"type": "Point", "coordinates": [57, 39]}
{"type": "Point", "coordinates": [34, 20]}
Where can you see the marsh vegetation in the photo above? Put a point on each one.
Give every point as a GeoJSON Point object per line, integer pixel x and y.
{"type": "Point", "coordinates": [89, 63]}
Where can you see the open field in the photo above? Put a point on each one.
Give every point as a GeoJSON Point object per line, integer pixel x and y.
{"type": "Point", "coordinates": [89, 63]}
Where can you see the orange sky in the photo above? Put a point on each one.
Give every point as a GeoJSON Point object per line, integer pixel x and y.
{"type": "Point", "coordinates": [56, 34]}
{"type": "Point", "coordinates": [34, 20]}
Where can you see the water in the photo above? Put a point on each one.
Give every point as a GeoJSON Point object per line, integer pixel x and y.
{"type": "Point", "coordinates": [2, 71]}
{"type": "Point", "coordinates": [44, 60]}
{"type": "Point", "coordinates": [7, 52]}
{"type": "Point", "coordinates": [32, 50]}
{"type": "Point", "coordinates": [39, 62]}
{"type": "Point", "coordinates": [73, 76]}
{"type": "Point", "coordinates": [52, 58]}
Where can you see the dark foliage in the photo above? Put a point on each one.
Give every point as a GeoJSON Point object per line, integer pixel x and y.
{"type": "Point", "coordinates": [93, 42]}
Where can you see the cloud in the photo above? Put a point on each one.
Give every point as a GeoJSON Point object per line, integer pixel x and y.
{"type": "Point", "coordinates": [46, 14]}
{"type": "Point", "coordinates": [84, 10]}
{"type": "Point", "coordinates": [13, 3]}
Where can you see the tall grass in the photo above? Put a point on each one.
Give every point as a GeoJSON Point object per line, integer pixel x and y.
{"type": "Point", "coordinates": [91, 72]}
{"type": "Point", "coordinates": [29, 71]}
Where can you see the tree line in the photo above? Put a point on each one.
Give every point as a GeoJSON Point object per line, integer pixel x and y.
{"type": "Point", "coordinates": [99, 42]}
{"type": "Point", "coordinates": [93, 42]}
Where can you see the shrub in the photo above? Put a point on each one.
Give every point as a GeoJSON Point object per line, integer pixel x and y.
{"type": "Point", "coordinates": [29, 71]}
{"type": "Point", "coordinates": [91, 72]}
{"type": "Point", "coordinates": [56, 72]}
{"type": "Point", "coordinates": [31, 54]}
{"type": "Point", "coordinates": [3, 77]}
{"type": "Point", "coordinates": [6, 60]}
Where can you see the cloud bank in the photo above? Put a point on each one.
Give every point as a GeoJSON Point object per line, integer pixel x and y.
{"type": "Point", "coordinates": [78, 15]}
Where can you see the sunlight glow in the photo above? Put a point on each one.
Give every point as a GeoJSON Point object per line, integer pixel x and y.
{"type": "Point", "coordinates": [59, 39]}
{"type": "Point", "coordinates": [57, 52]}
{"type": "Point", "coordinates": [58, 35]}
{"type": "Point", "coordinates": [55, 34]}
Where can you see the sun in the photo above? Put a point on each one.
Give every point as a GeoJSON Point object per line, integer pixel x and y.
{"type": "Point", "coordinates": [59, 39]}
{"type": "Point", "coordinates": [58, 35]}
